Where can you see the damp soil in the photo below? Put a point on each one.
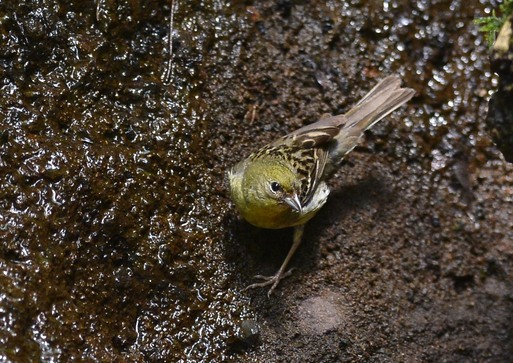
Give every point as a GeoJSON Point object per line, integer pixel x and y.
{"type": "Point", "coordinates": [118, 238]}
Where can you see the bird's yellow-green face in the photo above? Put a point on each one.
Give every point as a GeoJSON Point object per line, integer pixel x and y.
{"type": "Point", "coordinates": [266, 192]}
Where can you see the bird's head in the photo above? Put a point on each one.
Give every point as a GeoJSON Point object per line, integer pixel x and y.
{"type": "Point", "coordinates": [267, 193]}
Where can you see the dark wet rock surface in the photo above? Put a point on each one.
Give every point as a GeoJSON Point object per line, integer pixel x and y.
{"type": "Point", "coordinates": [118, 240]}
{"type": "Point", "coordinates": [500, 110]}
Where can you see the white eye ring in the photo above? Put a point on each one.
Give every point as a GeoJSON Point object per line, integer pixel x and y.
{"type": "Point", "coordinates": [275, 187]}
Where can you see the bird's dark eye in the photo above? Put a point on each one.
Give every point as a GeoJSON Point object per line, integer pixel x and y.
{"type": "Point", "coordinates": [275, 187]}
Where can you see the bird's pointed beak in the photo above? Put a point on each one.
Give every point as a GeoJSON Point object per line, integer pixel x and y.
{"type": "Point", "coordinates": [293, 202]}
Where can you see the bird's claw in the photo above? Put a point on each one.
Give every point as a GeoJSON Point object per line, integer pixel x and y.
{"type": "Point", "coordinates": [269, 280]}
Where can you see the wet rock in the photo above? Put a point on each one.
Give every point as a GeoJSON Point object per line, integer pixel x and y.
{"type": "Point", "coordinates": [248, 336]}
{"type": "Point", "coordinates": [118, 241]}
{"type": "Point", "coordinates": [500, 112]}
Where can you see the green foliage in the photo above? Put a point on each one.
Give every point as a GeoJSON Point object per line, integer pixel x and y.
{"type": "Point", "coordinates": [491, 25]}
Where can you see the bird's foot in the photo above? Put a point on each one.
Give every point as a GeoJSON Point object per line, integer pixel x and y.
{"type": "Point", "coordinates": [269, 280]}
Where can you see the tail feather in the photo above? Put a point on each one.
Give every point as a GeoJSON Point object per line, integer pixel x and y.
{"type": "Point", "coordinates": [382, 100]}
{"type": "Point", "coordinates": [387, 83]}
{"type": "Point", "coordinates": [346, 129]}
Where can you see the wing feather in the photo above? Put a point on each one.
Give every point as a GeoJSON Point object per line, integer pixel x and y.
{"type": "Point", "coordinates": [315, 175]}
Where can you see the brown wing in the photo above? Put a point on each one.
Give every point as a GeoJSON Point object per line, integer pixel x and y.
{"type": "Point", "coordinates": [309, 164]}
{"type": "Point", "coordinates": [315, 175]}
{"type": "Point", "coordinates": [315, 135]}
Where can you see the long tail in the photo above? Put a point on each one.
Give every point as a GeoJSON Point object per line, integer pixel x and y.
{"type": "Point", "coordinates": [382, 100]}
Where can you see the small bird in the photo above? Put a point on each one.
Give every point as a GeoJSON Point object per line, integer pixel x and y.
{"type": "Point", "coordinates": [284, 183]}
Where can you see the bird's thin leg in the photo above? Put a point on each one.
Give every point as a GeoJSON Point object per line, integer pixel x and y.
{"type": "Point", "coordinates": [281, 274]}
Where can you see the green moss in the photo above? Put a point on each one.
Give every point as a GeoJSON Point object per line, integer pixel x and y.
{"type": "Point", "coordinates": [491, 25]}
